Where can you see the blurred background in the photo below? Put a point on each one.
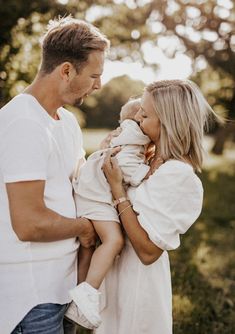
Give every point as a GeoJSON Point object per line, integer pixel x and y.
{"type": "Point", "coordinates": [151, 40]}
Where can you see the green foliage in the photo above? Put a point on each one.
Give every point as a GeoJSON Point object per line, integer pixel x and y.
{"type": "Point", "coordinates": [81, 330]}
{"type": "Point", "coordinates": [21, 24]}
{"type": "Point", "coordinates": [203, 271]}
{"type": "Point", "coordinates": [218, 87]}
{"type": "Point", "coordinates": [202, 29]}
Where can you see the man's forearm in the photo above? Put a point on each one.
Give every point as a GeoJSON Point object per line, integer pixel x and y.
{"type": "Point", "coordinates": [45, 225]}
{"type": "Point", "coordinates": [33, 221]}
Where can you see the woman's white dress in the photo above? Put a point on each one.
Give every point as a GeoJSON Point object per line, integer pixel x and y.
{"type": "Point", "coordinates": [137, 299]}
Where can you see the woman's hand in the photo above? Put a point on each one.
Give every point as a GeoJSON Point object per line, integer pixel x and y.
{"type": "Point", "coordinates": [113, 173]}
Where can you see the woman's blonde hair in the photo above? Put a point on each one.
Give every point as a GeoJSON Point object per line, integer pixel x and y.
{"type": "Point", "coordinates": [183, 113]}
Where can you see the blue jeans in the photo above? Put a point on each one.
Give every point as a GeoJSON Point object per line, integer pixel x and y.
{"type": "Point", "coordinates": [45, 319]}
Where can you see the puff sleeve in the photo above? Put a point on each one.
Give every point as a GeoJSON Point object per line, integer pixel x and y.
{"type": "Point", "coordinates": [168, 203]}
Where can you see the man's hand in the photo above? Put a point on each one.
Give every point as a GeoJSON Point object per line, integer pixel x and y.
{"type": "Point", "coordinates": [32, 220]}
{"type": "Point", "coordinates": [87, 236]}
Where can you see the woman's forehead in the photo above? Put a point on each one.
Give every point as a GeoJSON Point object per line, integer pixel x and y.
{"type": "Point", "coordinates": [147, 102]}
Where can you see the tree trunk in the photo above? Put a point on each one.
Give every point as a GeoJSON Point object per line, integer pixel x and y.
{"type": "Point", "coordinates": [227, 131]}
{"type": "Point", "coordinates": [222, 135]}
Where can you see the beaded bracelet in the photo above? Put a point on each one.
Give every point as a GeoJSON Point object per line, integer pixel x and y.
{"type": "Point", "coordinates": [124, 210]}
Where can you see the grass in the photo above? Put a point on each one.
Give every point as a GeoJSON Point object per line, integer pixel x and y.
{"type": "Point", "coordinates": [203, 270]}
{"type": "Point", "coordinates": [92, 138]}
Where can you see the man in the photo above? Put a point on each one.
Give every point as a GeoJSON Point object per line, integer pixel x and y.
{"type": "Point", "coordinates": [40, 148]}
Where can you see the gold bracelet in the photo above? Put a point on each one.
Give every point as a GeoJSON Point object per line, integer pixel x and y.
{"type": "Point", "coordinates": [119, 201]}
{"type": "Point", "coordinates": [124, 210]}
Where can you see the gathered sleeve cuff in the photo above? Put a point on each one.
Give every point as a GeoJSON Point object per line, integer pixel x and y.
{"type": "Point", "coordinates": [168, 203]}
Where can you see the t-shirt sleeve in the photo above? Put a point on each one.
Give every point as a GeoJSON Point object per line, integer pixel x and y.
{"type": "Point", "coordinates": [24, 151]}
{"type": "Point", "coordinates": [167, 204]}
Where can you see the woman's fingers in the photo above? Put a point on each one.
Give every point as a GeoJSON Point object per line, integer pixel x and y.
{"type": "Point", "coordinates": [115, 151]}
{"type": "Point", "coordinates": [114, 162]}
{"type": "Point", "coordinates": [110, 154]}
{"type": "Point", "coordinates": [111, 168]}
{"type": "Point", "coordinates": [107, 160]}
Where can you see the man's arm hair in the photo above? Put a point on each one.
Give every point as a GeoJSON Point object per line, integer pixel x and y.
{"type": "Point", "coordinates": [33, 221]}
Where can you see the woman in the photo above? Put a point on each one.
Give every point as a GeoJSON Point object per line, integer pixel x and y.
{"type": "Point", "coordinates": [153, 215]}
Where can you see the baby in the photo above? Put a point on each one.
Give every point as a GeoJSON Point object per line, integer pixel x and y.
{"type": "Point", "coordinates": [94, 201]}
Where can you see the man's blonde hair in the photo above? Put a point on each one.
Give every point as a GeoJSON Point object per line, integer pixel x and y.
{"type": "Point", "coordinates": [71, 40]}
{"type": "Point", "coordinates": [183, 113]}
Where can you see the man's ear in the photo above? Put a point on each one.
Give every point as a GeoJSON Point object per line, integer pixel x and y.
{"type": "Point", "coordinates": [67, 71]}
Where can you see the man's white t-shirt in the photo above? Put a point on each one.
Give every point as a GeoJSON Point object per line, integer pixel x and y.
{"type": "Point", "coordinates": [34, 146]}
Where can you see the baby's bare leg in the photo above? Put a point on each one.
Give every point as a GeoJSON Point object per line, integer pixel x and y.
{"type": "Point", "coordinates": [84, 260]}
{"type": "Point", "coordinates": [112, 243]}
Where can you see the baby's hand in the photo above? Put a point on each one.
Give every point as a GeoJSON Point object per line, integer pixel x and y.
{"type": "Point", "coordinates": [106, 142]}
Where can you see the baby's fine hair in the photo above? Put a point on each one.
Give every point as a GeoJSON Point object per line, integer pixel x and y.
{"type": "Point", "coordinates": [131, 108]}
{"type": "Point", "coordinates": [183, 113]}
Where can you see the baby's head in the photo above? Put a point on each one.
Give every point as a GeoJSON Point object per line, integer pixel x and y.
{"type": "Point", "coordinates": [130, 109]}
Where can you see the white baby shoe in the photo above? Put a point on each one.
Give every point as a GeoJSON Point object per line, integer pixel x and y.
{"type": "Point", "coordinates": [73, 315]}
{"type": "Point", "coordinates": [87, 303]}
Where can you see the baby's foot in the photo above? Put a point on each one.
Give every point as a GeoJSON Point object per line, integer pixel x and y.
{"type": "Point", "coordinates": [86, 299]}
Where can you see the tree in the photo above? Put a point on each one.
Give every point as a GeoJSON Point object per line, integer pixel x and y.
{"type": "Point", "coordinates": [202, 29]}
{"type": "Point", "coordinates": [17, 28]}
{"type": "Point", "coordinates": [219, 89]}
